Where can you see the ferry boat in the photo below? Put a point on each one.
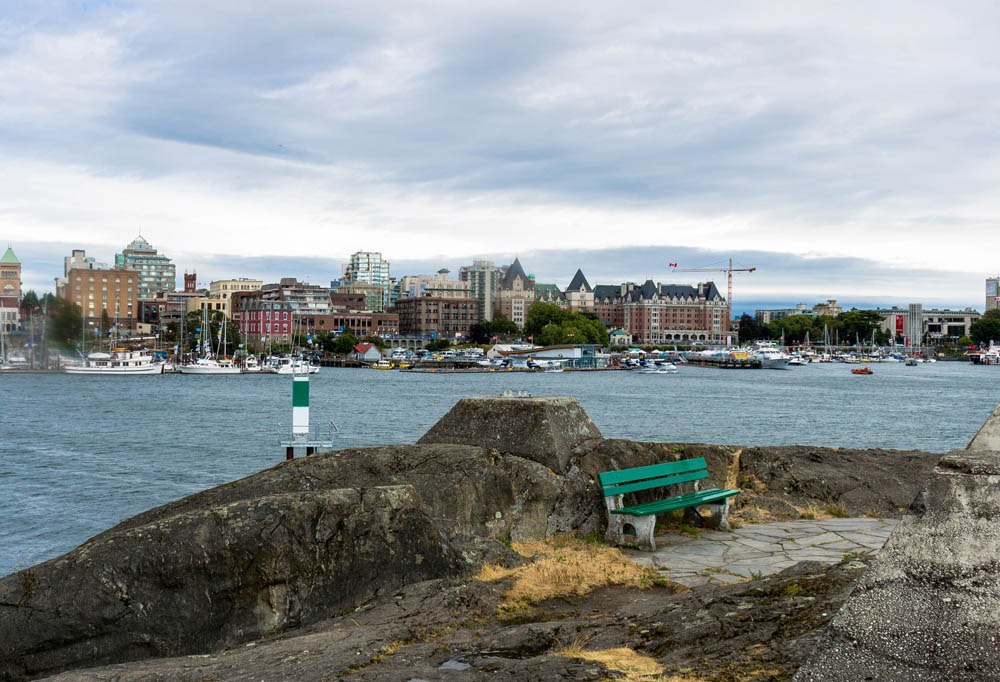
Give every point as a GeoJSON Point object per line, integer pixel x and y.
{"type": "Point", "coordinates": [118, 361]}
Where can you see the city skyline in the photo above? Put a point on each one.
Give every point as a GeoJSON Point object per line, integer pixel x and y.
{"type": "Point", "coordinates": [854, 282]}
{"type": "Point", "coordinates": [820, 139]}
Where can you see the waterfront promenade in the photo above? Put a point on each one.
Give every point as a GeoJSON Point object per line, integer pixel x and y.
{"type": "Point", "coordinates": [753, 551]}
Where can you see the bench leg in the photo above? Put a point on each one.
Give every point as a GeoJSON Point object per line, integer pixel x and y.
{"type": "Point", "coordinates": [720, 515]}
{"type": "Point", "coordinates": [643, 525]}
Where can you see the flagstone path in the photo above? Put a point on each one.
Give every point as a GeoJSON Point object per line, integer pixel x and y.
{"type": "Point", "coordinates": [717, 557]}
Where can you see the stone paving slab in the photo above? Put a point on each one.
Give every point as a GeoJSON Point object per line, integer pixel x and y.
{"type": "Point", "coordinates": [718, 558]}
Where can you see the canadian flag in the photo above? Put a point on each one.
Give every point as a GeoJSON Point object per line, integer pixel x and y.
{"type": "Point", "coordinates": [672, 265]}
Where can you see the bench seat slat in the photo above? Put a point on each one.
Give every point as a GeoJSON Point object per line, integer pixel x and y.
{"type": "Point", "coordinates": [655, 483]}
{"type": "Point", "coordinates": [652, 471]}
{"type": "Point", "coordinates": [702, 497]}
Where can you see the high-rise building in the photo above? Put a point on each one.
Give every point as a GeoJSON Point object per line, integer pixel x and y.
{"type": "Point", "coordinates": [10, 290]}
{"type": "Point", "coordinates": [484, 278]}
{"type": "Point", "coordinates": [154, 273]}
{"type": "Point", "coordinates": [369, 267]}
{"type": "Point", "coordinates": [993, 293]}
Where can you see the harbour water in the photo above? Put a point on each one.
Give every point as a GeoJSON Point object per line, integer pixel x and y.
{"type": "Point", "coordinates": [80, 453]}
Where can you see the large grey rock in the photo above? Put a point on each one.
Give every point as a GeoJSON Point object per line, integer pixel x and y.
{"type": "Point", "coordinates": [215, 575]}
{"type": "Point", "coordinates": [988, 436]}
{"type": "Point", "coordinates": [541, 429]}
{"type": "Point", "coordinates": [467, 491]}
{"type": "Point", "coordinates": [928, 608]}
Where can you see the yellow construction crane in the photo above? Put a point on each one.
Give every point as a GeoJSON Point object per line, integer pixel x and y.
{"type": "Point", "coordinates": [729, 273]}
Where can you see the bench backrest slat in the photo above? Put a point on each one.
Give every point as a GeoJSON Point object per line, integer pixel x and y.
{"type": "Point", "coordinates": [654, 483]}
{"type": "Point", "coordinates": [652, 471]}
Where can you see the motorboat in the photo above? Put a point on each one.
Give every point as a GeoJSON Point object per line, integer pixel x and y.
{"type": "Point", "coordinates": [118, 361]}
{"type": "Point", "coordinates": [769, 355]}
{"type": "Point", "coordinates": [209, 365]}
{"type": "Point", "coordinates": [862, 370]}
{"type": "Point", "coordinates": [292, 365]}
{"type": "Point", "coordinates": [659, 367]}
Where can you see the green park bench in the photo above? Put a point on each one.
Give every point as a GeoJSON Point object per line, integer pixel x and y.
{"type": "Point", "coordinates": [642, 517]}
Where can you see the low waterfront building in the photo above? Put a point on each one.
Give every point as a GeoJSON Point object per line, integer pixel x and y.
{"type": "Point", "coordinates": [365, 352]}
{"type": "Point", "coordinates": [155, 273]}
{"type": "Point", "coordinates": [578, 356]}
{"type": "Point", "coordinates": [437, 317]}
{"type": "Point", "coordinates": [619, 338]}
{"type": "Point", "coordinates": [917, 326]}
{"type": "Point", "coordinates": [10, 291]}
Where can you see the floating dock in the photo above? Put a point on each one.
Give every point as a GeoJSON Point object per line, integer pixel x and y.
{"type": "Point", "coordinates": [724, 362]}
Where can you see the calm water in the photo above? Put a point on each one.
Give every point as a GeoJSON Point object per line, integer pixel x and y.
{"type": "Point", "coordinates": [79, 454]}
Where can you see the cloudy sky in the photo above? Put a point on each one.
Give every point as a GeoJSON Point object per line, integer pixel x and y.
{"type": "Point", "coordinates": [847, 150]}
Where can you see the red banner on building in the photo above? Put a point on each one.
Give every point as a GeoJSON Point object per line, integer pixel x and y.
{"type": "Point", "coordinates": [899, 324]}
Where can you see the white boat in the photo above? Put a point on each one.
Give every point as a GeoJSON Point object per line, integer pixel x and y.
{"type": "Point", "coordinates": [118, 361]}
{"type": "Point", "coordinates": [659, 368]}
{"type": "Point", "coordinates": [769, 355]}
{"type": "Point", "coordinates": [287, 365]}
{"type": "Point", "coordinates": [798, 360]}
{"type": "Point", "coordinates": [252, 366]}
{"type": "Point", "coordinates": [208, 365]}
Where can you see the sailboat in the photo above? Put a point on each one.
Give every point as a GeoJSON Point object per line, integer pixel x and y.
{"type": "Point", "coordinates": [207, 364]}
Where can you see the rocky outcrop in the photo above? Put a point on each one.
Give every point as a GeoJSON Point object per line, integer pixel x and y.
{"type": "Point", "coordinates": [988, 436]}
{"type": "Point", "coordinates": [927, 609]}
{"type": "Point", "coordinates": [878, 482]}
{"type": "Point", "coordinates": [442, 630]}
{"type": "Point", "coordinates": [319, 536]}
{"type": "Point", "coordinates": [544, 430]}
{"type": "Point", "coordinates": [217, 575]}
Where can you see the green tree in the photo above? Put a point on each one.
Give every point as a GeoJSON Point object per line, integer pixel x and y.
{"type": "Point", "coordinates": [750, 330]}
{"type": "Point", "coordinates": [377, 340]}
{"type": "Point", "coordinates": [501, 326]}
{"type": "Point", "coordinates": [105, 322]}
{"type": "Point", "coordinates": [65, 323]}
{"type": "Point", "coordinates": [541, 314]}
{"type": "Point", "coordinates": [438, 344]}
{"type": "Point", "coordinates": [550, 325]}
{"type": "Point", "coordinates": [985, 329]}
{"type": "Point", "coordinates": [479, 333]}
{"type": "Point", "coordinates": [345, 343]}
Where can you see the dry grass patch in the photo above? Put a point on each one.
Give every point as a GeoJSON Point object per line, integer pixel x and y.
{"type": "Point", "coordinates": [635, 667]}
{"type": "Point", "coordinates": [813, 513]}
{"type": "Point", "coordinates": [566, 566]}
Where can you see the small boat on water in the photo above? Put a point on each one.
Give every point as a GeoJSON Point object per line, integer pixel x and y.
{"type": "Point", "coordinates": [118, 361]}
{"type": "Point", "coordinates": [209, 365]}
{"type": "Point", "coordinates": [382, 364]}
{"type": "Point", "coordinates": [862, 370]}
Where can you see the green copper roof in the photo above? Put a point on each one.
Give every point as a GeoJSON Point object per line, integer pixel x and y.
{"type": "Point", "coordinates": [9, 257]}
